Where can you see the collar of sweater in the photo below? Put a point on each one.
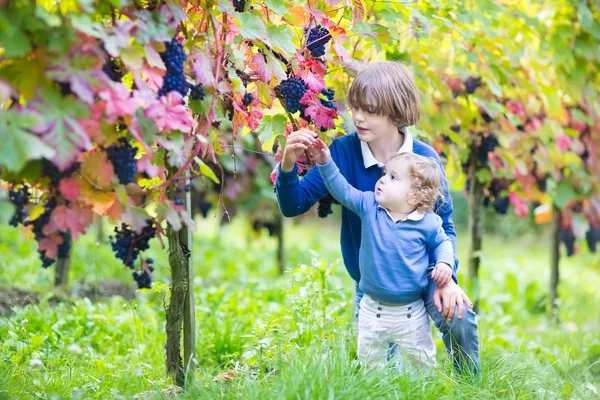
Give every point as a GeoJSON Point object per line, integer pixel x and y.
{"type": "Point", "coordinates": [414, 216]}
{"type": "Point", "coordinates": [370, 160]}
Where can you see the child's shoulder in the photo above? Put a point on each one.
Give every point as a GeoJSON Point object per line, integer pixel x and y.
{"type": "Point", "coordinates": [432, 219]}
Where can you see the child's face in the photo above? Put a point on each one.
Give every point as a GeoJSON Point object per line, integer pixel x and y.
{"type": "Point", "coordinates": [371, 126]}
{"type": "Point", "coordinates": [391, 190]}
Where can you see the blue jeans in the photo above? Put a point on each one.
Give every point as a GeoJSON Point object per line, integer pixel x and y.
{"type": "Point", "coordinates": [459, 335]}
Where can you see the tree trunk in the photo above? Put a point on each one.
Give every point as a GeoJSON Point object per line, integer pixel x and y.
{"type": "Point", "coordinates": [475, 233]}
{"type": "Point", "coordinates": [61, 277]}
{"type": "Point", "coordinates": [280, 244]}
{"type": "Point", "coordinates": [554, 263]}
{"type": "Point", "coordinates": [180, 312]}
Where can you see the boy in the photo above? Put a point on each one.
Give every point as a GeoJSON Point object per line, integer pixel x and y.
{"type": "Point", "coordinates": [384, 101]}
{"type": "Point", "coordinates": [398, 232]}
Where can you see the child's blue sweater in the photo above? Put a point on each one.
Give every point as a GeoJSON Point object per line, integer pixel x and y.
{"type": "Point", "coordinates": [394, 255]}
{"type": "Point", "coordinates": [297, 196]}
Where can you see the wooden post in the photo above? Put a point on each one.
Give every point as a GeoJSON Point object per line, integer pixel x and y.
{"type": "Point", "coordinates": [189, 310]}
{"type": "Point", "coordinates": [475, 233]}
{"type": "Point", "coordinates": [280, 244]}
{"type": "Point", "coordinates": [554, 263]}
{"type": "Point", "coordinates": [61, 277]}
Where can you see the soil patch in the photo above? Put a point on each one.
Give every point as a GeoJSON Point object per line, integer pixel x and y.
{"type": "Point", "coordinates": [95, 291]}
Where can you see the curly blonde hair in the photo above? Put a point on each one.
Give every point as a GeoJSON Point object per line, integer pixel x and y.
{"type": "Point", "coordinates": [426, 178]}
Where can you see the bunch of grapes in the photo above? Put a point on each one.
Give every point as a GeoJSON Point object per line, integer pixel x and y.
{"type": "Point", "coordinates": [113, 70]}
{"type": "Point", "coordinates": [592, 237]}
{"type": "Point", "coordinates": [292, 90]}
{"type": "Point", "coordinates": [568, 238]}
{"type": "Point", "coordinates": [324, 207]}
{"type": "Point", "coordinates": [197, 92]}
{"type": "Point", "coordinates": [239, 5]}
{"type": "Point", "coordinates": [122, 157]}
{"type": "Point", "coordinates": [174, 59]}
{"type": "Point", "coordinates": [496, 196]}
{"type": "Point", "coordinates": [317, 39]}
{"type": "Point", "coordinates": [20, 198]}
{"type": "Point", "coordinates": [127, 243]}
{"type": "Point", "coordinates": [471, 84]}
{"type": "Point", "coordinates": [55, 174]}
{"type": "Point", "coordinates": [487, 145]}
{"type": "Point", "coordinates": [144, 278]}
{"type": "Point", "coordinates": [37, 225]}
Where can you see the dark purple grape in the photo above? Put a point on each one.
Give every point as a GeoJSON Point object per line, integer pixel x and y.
{"type": "Point", "coordinates": [568, 238]}
{"type": "Point", "coordinates": [239, 5]}
{"type": "Point", "coordinates": [197, 92]}
{"type": "Point", "coordinates": [127, 244]}
{"type": "Point", "coordinates": [324, 207]}
{"type": "Point", "coordinates": [292, 90]}
{"type": "Point", "coordinates": [20, 198]}
{"type": "Point", "coordinates": [471, 84]}
{"type": "Point", "coordinates": [174, 59]}
{"type": "Point", "coordinates": [592, 236]}
{"type": "Point", "coordinates": [248, 98]}
{"type": "Point", "coordinates": [122, 157]}
{"type": "Point", "coordinates": [317, 39]}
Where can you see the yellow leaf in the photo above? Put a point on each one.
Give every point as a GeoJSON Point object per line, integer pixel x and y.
{"type": "Point", "coordinates": [35, 212]}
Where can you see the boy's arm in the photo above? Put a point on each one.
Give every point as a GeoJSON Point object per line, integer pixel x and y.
{"type": "Point", "coordinates": [439, 244]}
{"type": "Point", "coordinates": [350, 197]}
{"type": "Point", "coordinates": [295, 196]}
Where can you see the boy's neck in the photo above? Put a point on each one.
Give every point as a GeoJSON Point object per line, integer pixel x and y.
{"type": "Point", "coordinates": [401, 212]}
{"type": "Point", "coordinates": [386, 146]}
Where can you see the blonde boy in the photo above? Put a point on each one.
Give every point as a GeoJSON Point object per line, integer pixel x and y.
{"type": "Point", "coordinates": [398, 233]}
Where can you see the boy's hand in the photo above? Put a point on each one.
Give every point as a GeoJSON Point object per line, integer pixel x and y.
{"type": "Point", "coordinates": [296, 143]}
{"type": "Point", "coordinates": [321, 152]}
{"type": "Point", "coordinates": [442, 274]}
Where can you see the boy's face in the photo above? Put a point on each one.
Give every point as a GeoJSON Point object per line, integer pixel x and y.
{"type": "Point", "coordinates": [391, 190]}
{"type": "Point", "coordinates": [371, 126]}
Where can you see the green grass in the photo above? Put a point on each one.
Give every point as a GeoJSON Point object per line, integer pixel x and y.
{"type": "Point", "coordinates": [291, 336]}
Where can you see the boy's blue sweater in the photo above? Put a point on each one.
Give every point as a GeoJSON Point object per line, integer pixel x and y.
{"type": "Point", "coordinates": [394, 255]}
{"type": "Point", "coordinates": [297, 196]}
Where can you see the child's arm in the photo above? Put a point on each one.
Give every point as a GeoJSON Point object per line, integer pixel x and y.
{"type": "Point", "coordinates": [443, 254]}
{"type": "Point", "coordinates": [350, 197]}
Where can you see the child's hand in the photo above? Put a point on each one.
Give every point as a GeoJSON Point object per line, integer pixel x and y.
{"type": "Point", "coordinates": [320, 151]}
{"type": "Point", "coordinates": [442, 274]}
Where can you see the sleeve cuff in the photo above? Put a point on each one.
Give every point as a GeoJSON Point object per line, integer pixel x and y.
{"type": "Point", "coordinates": [284, 177]}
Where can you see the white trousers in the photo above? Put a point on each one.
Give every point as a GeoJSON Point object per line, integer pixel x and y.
{"type": "Point", "coordinates": [406, 326]}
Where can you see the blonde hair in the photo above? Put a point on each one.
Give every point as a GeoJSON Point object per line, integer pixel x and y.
{"type": "Point", "coordinates": [426, 178]}
{"type": "Point", "coordinates": [387, 88]}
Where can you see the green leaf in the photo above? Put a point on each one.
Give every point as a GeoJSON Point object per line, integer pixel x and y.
{"type": "Point", "coordinates": [277, 6]}
{"type": "Point", "coordinates": [133, 57]}
{"type": "Point", "coordinates": [206, 171]}
{"type": "Point", "coordinates": [7, 209]}
{"type": "Point", "coordinates": [564, 193]}
{"type": "Point", "coordinates": [281, 39]}
{"type": "Point", "coordinates": [251, 26]}
{"type": "Point", "coordinates": [16, 43]}
{"type": "Point", "coordinates": [17, 144]}
{"type": "Point", "coordinates": [270, 127]}
{"type": "Point", "coordinates": [149, 128]}
{"type": "Point", "coordinates": [59, 127]}
{"type": "Point", "coordinates": [495, 88]}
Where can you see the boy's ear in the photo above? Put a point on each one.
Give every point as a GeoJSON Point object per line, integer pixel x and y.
{"type": "Point", "coordinates": [413, 198]}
